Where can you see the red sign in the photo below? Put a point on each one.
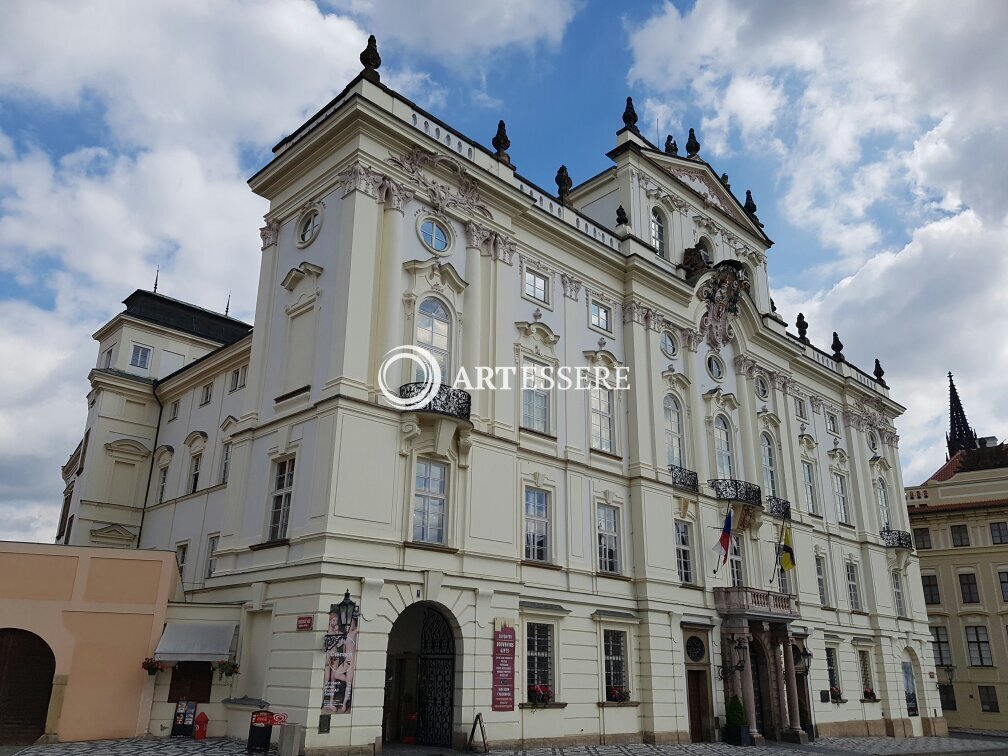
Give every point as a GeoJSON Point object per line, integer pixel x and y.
{"type": "Point", "coordinates": [279, 718]}
{"type": "Point", "coordinates": [503, 669]}
{"type": "Point", "coordinates": [262, 718]}
{"type": "Point", "coordinates": [306, 622]}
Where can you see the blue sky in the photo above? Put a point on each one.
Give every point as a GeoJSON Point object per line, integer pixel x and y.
{"type": "Point", "coordinates": [870, 133]}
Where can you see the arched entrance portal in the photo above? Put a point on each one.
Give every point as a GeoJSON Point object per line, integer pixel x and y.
{"type": "Point", "coordinates": [910, 690]}
{"type": "Point", "coordinates": [420, 678]}
{"type": "Point", "coordinates": [27, 666]}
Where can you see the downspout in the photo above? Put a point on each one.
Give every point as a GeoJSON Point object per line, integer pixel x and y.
{"type": "Point", "coordinates": [150, 470]}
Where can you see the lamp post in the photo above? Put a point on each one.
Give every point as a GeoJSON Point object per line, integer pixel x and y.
{"type": "Point", "coordinates": [727, 670]}
{"type": "Point", "coordinates": [949, 671]}
{"type": "Point", "coordinates": [806, 656]}
{"type": "Point", "coordinates": [346, 610]}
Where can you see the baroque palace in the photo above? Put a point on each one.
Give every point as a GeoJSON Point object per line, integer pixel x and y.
{"type": "Point", "coordinates": [540, 557]}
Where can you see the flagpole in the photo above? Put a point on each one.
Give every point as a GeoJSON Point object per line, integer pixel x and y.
{"type": "Point", "coordinates": [780, 540]}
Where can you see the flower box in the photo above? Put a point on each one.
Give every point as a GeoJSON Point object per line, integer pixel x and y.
{"type": "Point", "coordinates": [617, 694]}
{"type": "Point", "coordinates": [540, 694]}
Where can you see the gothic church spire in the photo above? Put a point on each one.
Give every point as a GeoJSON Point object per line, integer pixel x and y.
{"type": "Point", "coordinates": [960, 435]}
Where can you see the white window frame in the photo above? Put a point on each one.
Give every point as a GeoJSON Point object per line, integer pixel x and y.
{"type": "Point", "coordinates": [424, 497]}
{"type": "Point", "coordinates": [769, 464]}
{"type": "Point", "coordinates": [105, 359]}
{"type": "Point", "coordinates": [443, 353]}
{"type": "Point", "coordinates": [206, 394]}
{"type": "Point", "coordinates": [658, 233]}
{"type": "Point", "coordinates": [213, 541]}
{"type": "Point", "coordinates": [723, 458]}
{"type": "Point", "coordinates": [668, 344]}
{"type": "Point", "coordinates": [238, 378]}
{"type": "Point", "coordinates": [609, 680]}
{"type": "Point", "coordinates": [833, 668]}
{"type": "Point", "coordinates": [717, 374]}
{"type": "Point", "coordinates": [865, 670]}
{"type": "Point", "coordinates": [550, 655]}
{"type": "Point", "coordinates": [736, 562]}
{"type": "Point", "coordinates": [536, 392]}
{"type": "Point", "coordinates": [537, 525]}
{"type": "Point", "coordinates": [822, 580]}
{"type": "Point", "coordinates": [535, 277]}
{"type": "Point", "coordinates": [446, 230]}
{"type": "Point", "coordinates": [282, 481]}
{"type": "Point", "coordinates": [225, 467]}
{"type": "Point", "coordinates": [173, 410]}
{"type": "Point", "coordinates": [181, 550]}
{"type": "Point", "coordinates": [136, 351]}
{"type": "Point", "coordinates": [899, 595]}
{"type": "Point", "coordinates": [832, 423]}
{"type": "Point", "coordinates": [853, 573]}
{"type": "Point", "coordinates": [596, 308]}
{"type": "Point", "coordinates": [602, 427]}
{"type": "Point", "coordinates": [162, 483]}
{"type": "Point", "coordinates": [885, 511]}
{"type": "Point", "coordinates": [607, 538]}
{"type": "Point", "coordinates": [686, 567]}
{"type": "Point", "coordinates": [308, 225]}
{"type": "Point", "coordinates": [801, 411]}
{"type": "Point", "coordinates": [841, 497]}
{"type": "Point", "coordinates": [675, 452]}
{"type": "Point", "coordinates": [809, 487]}
{"type": "Point", "coordinates": [192, 482]}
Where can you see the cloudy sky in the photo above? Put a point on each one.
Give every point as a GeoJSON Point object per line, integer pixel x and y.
{"type": "Point", "coordinates": [871, 133]}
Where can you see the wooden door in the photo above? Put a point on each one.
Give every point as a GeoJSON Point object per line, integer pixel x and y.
{"type": "Point", "coordinates": [698, 700]}
{"type": "Point", "coordinates": [27, 666]}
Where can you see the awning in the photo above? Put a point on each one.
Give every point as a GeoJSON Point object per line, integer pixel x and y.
{"type": "Point", "coordinates": [195, 641]}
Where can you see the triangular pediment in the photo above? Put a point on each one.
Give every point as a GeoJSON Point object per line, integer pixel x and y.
{"type": "Point", "coordinates": [112, 534]}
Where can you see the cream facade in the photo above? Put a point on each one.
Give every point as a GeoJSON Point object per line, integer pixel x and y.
{"type": "Point", "coordinates": [959, 520]}
{"type": "Point", "coordinates": [582, 519]}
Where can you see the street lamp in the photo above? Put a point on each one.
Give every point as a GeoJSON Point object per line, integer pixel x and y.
{"type": "Point", "coordinates": [806, 656]}
{"type": "Point", "coordinates": [346, 610]}
{"type": "Point", "coordinates": [727, 670]}
{"type": "Point", "coordinates": [949, 671]}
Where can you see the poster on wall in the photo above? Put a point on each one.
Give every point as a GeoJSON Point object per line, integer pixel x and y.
{"type": "Point", "coordinates": [503, 666]}
{"type": "Point", "coordinates": [340, 646]}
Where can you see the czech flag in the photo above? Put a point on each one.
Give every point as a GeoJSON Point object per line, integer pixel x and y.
{"type": "Point", "coordinates": [787, 558]}
{"type": "Point", "coordinates": [723, 546]}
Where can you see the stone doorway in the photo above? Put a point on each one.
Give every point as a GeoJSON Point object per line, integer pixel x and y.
{"type": "Point", "coordinates": [27, 666]}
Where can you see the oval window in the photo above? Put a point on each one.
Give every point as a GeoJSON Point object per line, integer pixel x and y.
{"type": "Point", "coordinates": [308, 228]}
{"type": "Point", "coordinates": [715, 368]}
{"type": "Point", "coordinates": [762, 387]}
{"type": "Point", "coordinates": [668, 345]}
{"type": "Point", "coordinates": [434, 235]}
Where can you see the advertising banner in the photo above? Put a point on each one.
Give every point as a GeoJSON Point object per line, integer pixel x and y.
{"type": "Point", "coordinates": [340, 645]}
{"type": "Point", "coordinates": [503, 668]}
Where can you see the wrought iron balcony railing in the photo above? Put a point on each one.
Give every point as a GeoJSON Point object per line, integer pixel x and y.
{"type": "Point", "coordinates": [755, 602]}
{"type": "Point", "coordinates": [737, 490]}
{"type": "Point", "coordinates": [447, 401]}
{"type": "Point", "coordinates": [778, 507]}
{"type": "Point", "coordinates": [897, 539]}
{"type": "Point", "coordinates": [683, 478]}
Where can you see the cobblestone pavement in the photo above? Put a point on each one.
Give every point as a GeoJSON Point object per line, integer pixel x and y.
{"type": "Point", "coordinates": [821, 747]}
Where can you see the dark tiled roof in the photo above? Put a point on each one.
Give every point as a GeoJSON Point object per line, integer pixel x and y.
{"type": "Point", "coordinates": [182, 316]}
{"type": "Point", "coordinates": [958, 506]}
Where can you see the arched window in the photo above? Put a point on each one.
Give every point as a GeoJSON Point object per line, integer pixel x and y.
{"type": "Point", "coordinates": [658, 232]}
{"type": "Point", "coordinates": [883, 504]}
{"type": "Point", "coordinates": [673, 431]}
{"type": "Point", "coordinates": [433, 332]}
{"type": "Point", "coordinates": [769, 468]}
{"type": "Point", "coordinates": [722, 448]}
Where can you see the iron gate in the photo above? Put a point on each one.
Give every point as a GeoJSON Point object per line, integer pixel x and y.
{"type": "Point", "coordinates": [27, 665]}
{"type": "Point", "coordinates": [436, 681]}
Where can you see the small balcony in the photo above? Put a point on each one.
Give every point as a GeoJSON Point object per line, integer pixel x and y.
{"type": "Point", "coordinates": [684, 479]}
{"type": "Point", "coordinates": [897, 539]}
{"type": "Point", "coordinates": [755, 603]}
{"type": "Point", "coordinates": [737, 490]}
{"type": "Point", "coordinates": [778, 507]}
{"type": "Point", "coordinates": [448, 401]}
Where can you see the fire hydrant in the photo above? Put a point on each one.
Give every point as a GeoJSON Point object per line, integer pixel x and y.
{"type": "Point", "coordinates": [200, 726]}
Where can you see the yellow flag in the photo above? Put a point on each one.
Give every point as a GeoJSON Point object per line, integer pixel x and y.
{"type": "Point", "coordinates": [787, 557]}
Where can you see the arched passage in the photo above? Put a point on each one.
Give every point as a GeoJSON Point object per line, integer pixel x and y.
{"type": "Point", "coordinates": [420, 678]}
{"type": "Point", "coordinates": [910, 672]}
{"type": "Point", "coordinates": [27, 666]}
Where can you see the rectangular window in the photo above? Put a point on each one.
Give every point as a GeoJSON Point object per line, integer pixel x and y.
{"type": "Point", "coordinates": [206, 394]}
{"type": "Point", "coordinates": [930, 585]}
{"type": "Point", "coordinates": [808, 483]}
{"type": "Point", "coordinates": [535, 397]}
{"type": "Point", "coordinates": [946, 693]}
{"type": "Point", "coordinates": [191, 681]}
{"type": "Point", "coordinates": [988, 698]}
{"type": "Point", "coordinates": [960, 535]}
{"type": "Point", "coordinates": [821, 581]}
{"type": "Point", "coordinates": [832, 670]}
{"type": "Point", "coordinates": [140, 357]}
{"type": "Point", "coordinates": [105, 361]}
{"type": "Point", "coordinates": [735, 563]}
{"type": "Point", "coordinates": [999, 532]}
{"type": "Point", "coordinates": [608, 538]}
{"type": "Point", "coordinates": [864, 666]}
{"type": "Point", "coordinates": [539, 656]}
{"type": "Point", "coordinates": [601, 317]}
{"type": "Point", "coordinates": [684, 551]}
{"type": "Point", "coordinates": [536, 286]}
{"type": "Point", "coordinates": [238, 377]}
{"type": "Point", "coordinates": [979, 646]}
{"type": "Point", "coordinates": [968, 588]}
{"type": "Point", "coordinates": [283, 488]}
{"type": "Point", "coordinates": [1003, 578]}
{"type": "Point", "coordinates": [173, 410]}
{"type": "Point", "coordinates": [940, 646]}
{"type": "Point", "coordinates": [799, 405]}
{"type": "Point", "coordinates": [840, 496]}
{"type": "Point", "coordinates": [831, 423]}
{"type": "Point", "coordinates": [162, 481]}
{"type": "Point", "coordinates": [194, 468]}
{"type": "Point", "coordinates": [615, 653]}
{"type": "Point", "coordinates": [922, 538]}
{"type": "Point", "coordinates": [853, 587]}
{"type": "Point", "coordinates": [602, 419]}
{"type": "Point", "coordinates": [897, 587]}
{"type": "Point", "coordinates": [430, 501]}
{"type": "Point", "coordinates": [211, 554]}
{"type": "Point", "coordinates": [784, 578]}
{"type": "Point", "coordinates": [537, 523]}
{"type": "Point", "coordinates": [180, 557]}
{"type": "Point", "coordinates": [225, 466]}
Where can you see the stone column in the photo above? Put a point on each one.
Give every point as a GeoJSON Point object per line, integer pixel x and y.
{"type": "Point", "coordinates": [782, 703]}
{"type": "Point", "coordinates": [794, 720]}
{"type": "Point", "coordinates": [748, 696]}
{"type": "Point", "coordinates": [472, 307]}
{"type": "Point", "coordinates": [751, 467]}
{"type": "Point", "coordinates": [394, 197]}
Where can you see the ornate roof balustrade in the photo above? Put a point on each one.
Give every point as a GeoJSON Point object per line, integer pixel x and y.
{"type": "Point", "coordinates": [685, 479]}
{"type": "Point", "coordinates": [778, 507]}
{"type": "Point", "coordinates": [897, 539]}
{"type": "Point", "coordinates": [755, 603]}
{"type": "Point", "coordinates": [447, 401]}
{"type": "Point", "coordinates": [737, 490]}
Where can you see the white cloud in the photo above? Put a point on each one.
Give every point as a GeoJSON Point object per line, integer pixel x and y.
{"type": "Point", "coordinates": [885, 124]}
